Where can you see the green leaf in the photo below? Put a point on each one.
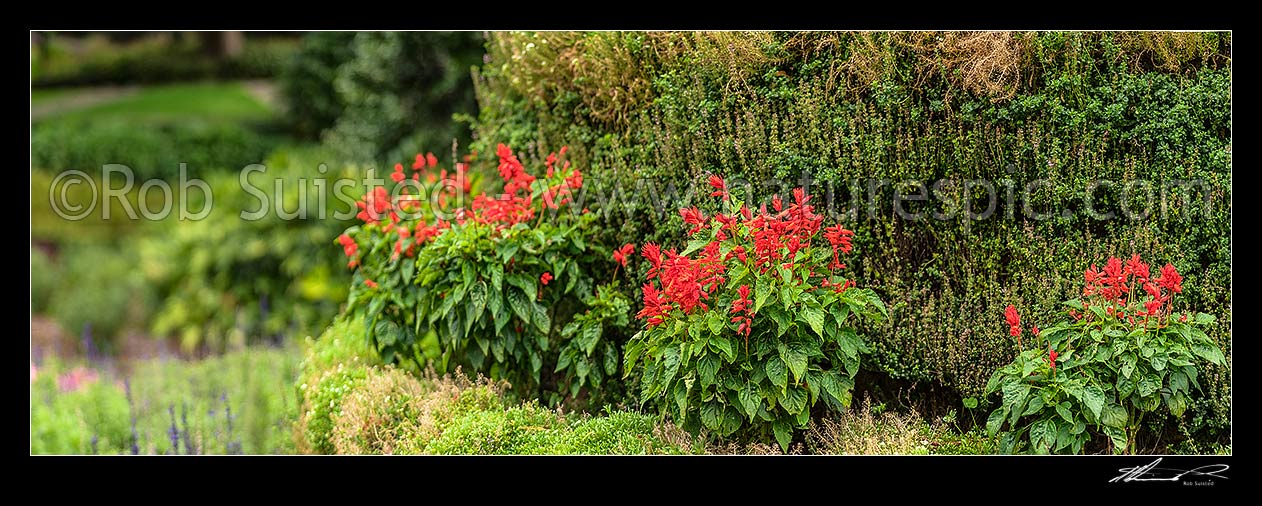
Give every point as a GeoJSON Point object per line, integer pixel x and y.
{"type": "Point", "coordinates": [796, 359]}
{"type": "Point", "coordinates": [477, 297]}
{"type": "Point", "coordinates": [714, 321]}
{"type": "Point", "coordinates": [520, 304]}
{"type": "Point", "coordinates": [784, 434]}
{"type": "Point", "coordinates": [1148, 385]}
{"type": "Point", "coordinates": [723, 345]}
{"type": "Point", "coordinates": [794, 400]}
{"type": "Point", "coordinates": [995, 421]}
{"type": "Point", "coordinates": [750, 399]}
{"type": "Point", "coordinates": [849, 342]}
{"type": "Point", "coordinates": [526, 283]}
{"type": "Point", "coordinates": [760, 294]}
{"type": "Point", "coordinates": [497, 277]}
{"type": "Point", "coordinates": [837, 386]}
{"type": "Point", "coordinates": [670, 359]}
{"type": "Point", "coordinates": [1158, 362]}
{"type": "Point", "coordinates": [786, 298]}
{"type": "Point", "coordinates": [1113, 415]}
{"type": "Point", "coordinates": [611, 360]}
{"type": "Point", "coordinates": [708, 367]}
{"type": "Point", "coordinates": [1094, 398]}
{"type": "Point", "coordinates": [1062, 409]}
{"type": "Point", "coordinates": [1042, 435]}
{"type": "Point", "coordinates": [540, 318]}
{"type": "Point", "coordinates": [589, 336]}
{"type": "Point", "coordinates": [1177, 403]}
{"type": "Point", "coordinates": [712, 415]}
{"type": "Point", "coordinates": [1118, 436]}
{"type": "Point", "coordinates": [681, 397]}
{"type": "Point", "coordinates": [777, 372]}
{"type": "Point", "coordinates": [1178, 382]}
{"type": "Point", "coordinates": [814, 317]}
{"type": "Point", "coordinates": [1204, 318]}
{"type": "Point", "coordinates": [1210, 352]}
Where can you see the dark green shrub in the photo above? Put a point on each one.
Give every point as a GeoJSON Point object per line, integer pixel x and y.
{"type": "Point", "coordinates": [312, 103]}
{"type": "Point", "coordinates": [400, 91]}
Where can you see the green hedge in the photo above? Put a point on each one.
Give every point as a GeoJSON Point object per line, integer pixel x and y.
{"type": "Point", "coordinates": [150, 150]}
{"type": "Point", "coordinates": [1066, 107]}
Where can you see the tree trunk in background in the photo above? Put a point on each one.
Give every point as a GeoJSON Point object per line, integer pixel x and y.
{"type": "Point", "coordinates": [222, 44]}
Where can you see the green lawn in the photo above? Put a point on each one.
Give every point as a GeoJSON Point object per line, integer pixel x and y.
{"type": "Point", "coordinates": [50, 95]}
{"type": "Point", "coordinates": [207, 101]}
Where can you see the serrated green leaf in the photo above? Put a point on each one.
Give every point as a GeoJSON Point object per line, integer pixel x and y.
{"type": "Point", "coordinates": [794, 399]}
{"type": "Point", "coordinates": [796, 359]}
{"type": "Point", "coordinates": [708, 367]}
{"type": "Point", "coordinates": [1114, 416]}
{"type": "Point", "coordinates": [783, 433]}
{"type": "Point", "coordinates": [714, 321]}
{"type": "Point", "coordinates": [814, 317]}
{"type": "Point", "coordinates": [761, 292]}
{"type": "Point", "coordinates": [520, 305]}
{"type": "Point", "coordinates": [995, 421]}
{"type": "Point", "coordinates": [777, 372]}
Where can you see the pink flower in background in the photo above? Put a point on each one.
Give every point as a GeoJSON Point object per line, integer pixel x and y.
{"type": "Point", "coordinates": [75, 379]}
{"type": "Point", "coordinates": [34, 372]}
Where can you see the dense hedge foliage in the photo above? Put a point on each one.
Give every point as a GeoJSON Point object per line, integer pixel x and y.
{"type": "Point", "coordinates": [378, 96]}
{"type": "Point", "coordinates": [149, 150]}
{"type": "Point", "coordinates": [1067, 108]}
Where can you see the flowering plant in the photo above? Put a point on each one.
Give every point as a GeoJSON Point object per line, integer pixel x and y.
{"type": "Point", "coordinates": [502, 286]}
{"type": "Point", "coordinates": [748, 327]}
{"type": "Point", "coordinates": [1122, 351]}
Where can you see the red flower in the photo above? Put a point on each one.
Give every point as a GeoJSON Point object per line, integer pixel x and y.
{"type": "Point", "coordinates": [348, 245]}
{"type": "Point", "coordinates": [624, 253]}
{"type": "Point", "coordinates": [656, 306]}
{"type": "Point", "coordinates": [1138, 268]}
{"type": "Point", "coordinates": [742, 302]}
{"type": "Point", "coordinates": [1051, 358]}
{"type": "Point", "coordinates": [398, 175]}
{"type": "Point", "coordinates": [1014, 320]}
{"type": "Point", "coordinates": [431, 159]}
{"type": "Point", "coordinates": [370, 283]}
{"type": "Point", "coordinates": [1152, 307]}
{"type": "Point", "coordinates": [375, 204]}
{"type": "Point", "coordinates": [1170, 279]}
{"type": "Point", "coordinates": [545, 278]}
{"type": "Point", "coordinates": [1035, 330]}
{"type": "Point", "coordinates": [693, 216]}
{"type": "Point", "coordinates": [720, 188]}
